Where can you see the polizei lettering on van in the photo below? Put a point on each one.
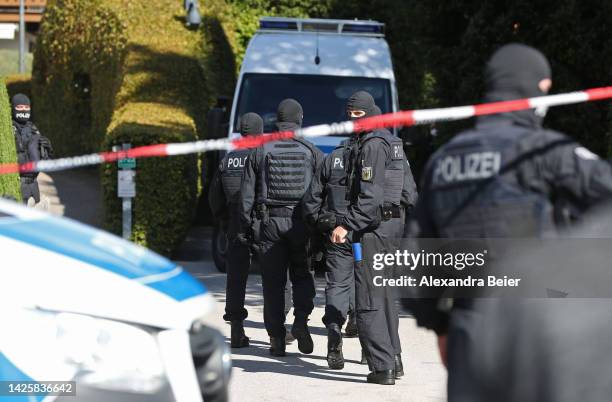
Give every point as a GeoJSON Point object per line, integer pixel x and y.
{"type": "Point", "coordinates": [473, 166]}
{"type": "Point", "coordinates": [234, 163]}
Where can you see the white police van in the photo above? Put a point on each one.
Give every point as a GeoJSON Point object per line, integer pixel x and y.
{"type": "Point", "coordinates": [318, 62]}
{"type": "Point", "coordinates": [78, 304]}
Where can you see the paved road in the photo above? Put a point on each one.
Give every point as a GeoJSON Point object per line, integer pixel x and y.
{"type": "Point", "coordinates": [74, 193]}
{"type": "Point", "coordinates": [257, 376]}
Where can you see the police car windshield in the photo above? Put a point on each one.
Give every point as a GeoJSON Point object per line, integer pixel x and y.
{"type": "Point", "coordinates": [322, 97]}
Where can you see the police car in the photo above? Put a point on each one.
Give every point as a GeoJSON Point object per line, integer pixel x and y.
{"type": "Point", "coordinates": [318, 62]}
{"type": "Point", "coordinates": [122, 323]}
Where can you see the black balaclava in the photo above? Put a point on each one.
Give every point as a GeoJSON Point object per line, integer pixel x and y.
{"type": "Point", "coordinates": [361, 100]}
{"type": "Point", "coordinates": [514, 72]}
{"type": "Point", "coordinates": [289, 115]}
{"type": "Point", "coordinates": [251, 124]}
{"type": "Point", "coordinates": [21, 116]}
{"type": "Point", "coordinates": [376, 111]}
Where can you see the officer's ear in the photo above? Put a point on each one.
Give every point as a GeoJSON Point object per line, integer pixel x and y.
{"type": "Point", "coordinates": [545, 85]}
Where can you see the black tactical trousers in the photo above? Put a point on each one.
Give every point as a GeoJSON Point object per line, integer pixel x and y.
{"type": "Point", "coordinates": [462, 353]}
{"type": "Point", "coordinates": [377, 314]}
{"type": "Point", "coordinates": [283, 246]}
{"type": "Point", "coordinates": [340, 278]}
{"type": "Point", "coordinates": [29, 188]}
{"type": "Point", "coordinates": [238, 261]}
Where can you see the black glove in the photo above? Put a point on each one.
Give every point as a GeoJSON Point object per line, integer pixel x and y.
{"type": "Point", "coordinates": [244, 238]}
{"type": "Point", "coordinates": [45, 144]}
{"type": "Point", "coordinates": [326, 222]}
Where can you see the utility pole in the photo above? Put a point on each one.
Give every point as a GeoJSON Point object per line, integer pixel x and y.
{"type": "Point", "coordinates": [21, 36]}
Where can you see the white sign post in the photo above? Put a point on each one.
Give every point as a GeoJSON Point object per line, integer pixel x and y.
{"type": "Point", "coordinates": [126, 189]}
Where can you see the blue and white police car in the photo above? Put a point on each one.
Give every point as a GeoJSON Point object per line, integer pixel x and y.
{"type": "Point", "coordinates": [124, 324]}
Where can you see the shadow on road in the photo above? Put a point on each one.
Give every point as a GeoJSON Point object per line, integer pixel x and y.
{"type": "Point", "coordinates": [76, 194]}
{"type": "Point", "coordinates": [292, 364]}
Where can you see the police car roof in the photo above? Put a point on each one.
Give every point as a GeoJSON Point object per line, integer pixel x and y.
{"type": "Point", "coordinates": [277, 51]}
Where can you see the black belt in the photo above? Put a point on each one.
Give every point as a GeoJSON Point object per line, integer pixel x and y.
{"type": "Point", "coordinates": [283, 212]}
{"type": "Point", "coordinates": [27, 179]}
{"type": "Point", "coordinates": [392, 211]}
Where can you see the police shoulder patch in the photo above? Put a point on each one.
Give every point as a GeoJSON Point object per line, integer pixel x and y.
{"type": "Point", "coordinates": [366, 173]}
{"type": "Point", "coordinates": [398, 152]}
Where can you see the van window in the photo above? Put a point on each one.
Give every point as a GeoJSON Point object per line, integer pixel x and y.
{"type": "Point", "coordinates": [323, 97]}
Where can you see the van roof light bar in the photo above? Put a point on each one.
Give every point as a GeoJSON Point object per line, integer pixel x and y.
{"type": "Point", "coordinates": [339, 27]}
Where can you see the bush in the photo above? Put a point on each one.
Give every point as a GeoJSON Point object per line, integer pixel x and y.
{"type": "Point", "coordinates": [9, 184]}
{"type": "Point", "coordinates": [19, 84]}
{"type": "Point", "coordinates": [162, 99]}
{"type": "Point", "coordinates": [217, 53]}
{"type": "Point", "coordinates": [166, 188]}
{"type": "Point", "coordinates": [108, 72]}
{"type": "Point", "coordinates": [77, 72]}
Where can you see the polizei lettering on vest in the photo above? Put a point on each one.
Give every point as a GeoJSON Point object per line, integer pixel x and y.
{"type": "Point", "coordinates": [474, 166]}
{"type": "Point", "coordinates": [338, 163]}
{"type": "Point", "coordinates": [236, 162]}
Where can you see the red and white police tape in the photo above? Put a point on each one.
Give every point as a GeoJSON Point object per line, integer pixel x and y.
{"type": "Point", "coordinates": [403, 118]}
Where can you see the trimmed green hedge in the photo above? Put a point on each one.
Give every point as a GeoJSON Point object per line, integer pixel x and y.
{"type": "Point", "coordinates": [145, 83]}
{"type": "Point", "coordinates": [166, 188]}
{"type": "Point", "coordinates": [162, 99]}
{"type": "Point", "coordinates": [77, 72]}
{"type": "Point", "coordinates": [19, 84]}
{"type": "Point", "coordinates": [9, 184]}
{"type": "Point", "coordinates": [217, 52]}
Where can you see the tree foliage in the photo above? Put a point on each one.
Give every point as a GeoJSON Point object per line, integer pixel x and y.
{"type": "Point", "coordinates": [440, 49]}
{"type": "Point", "coordinates": [77, 71]}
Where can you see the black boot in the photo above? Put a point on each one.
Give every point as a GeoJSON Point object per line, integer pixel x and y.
{"type": "Point", "coordinates": [277, 346]}
{"type": "Point", "coordinates": [238, 339]}
{"type": "Point", "coordinates": [335, 359]}
{"type": "Point", "coordinates": [300, 331]}
{"type": "Point", "coordinates": [399, 367]}
{"type": "Point", "coordinates": [350, 331]}
{"type": "Point", "coordinates": [384, 377]}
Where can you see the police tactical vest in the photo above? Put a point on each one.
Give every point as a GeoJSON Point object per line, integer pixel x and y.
{"type": "Point", "coordinates": [477, 186]}
{"type": "Point", "coordinates": [394, 166]}
{"type": "Point", "coordinates": [286, 174]}
{"type": "Point", "coordinates": [23, 136]}
{"type": "Point", "coordinates": [232, 167]}
{"type": "Point", "coordinates": [336, 186]}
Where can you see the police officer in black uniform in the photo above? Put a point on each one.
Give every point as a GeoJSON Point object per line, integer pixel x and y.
{"type": "Point", "coordinates": [499, 180]}
{"type": "Point", "coordinates": [28, 142]}
{"type": "Point", "coordinates": [224, 204]}
{"type": "Point", "coordinates": [275, 179]}
{"type": "Point", "coordinates": [381, 190]}
{"type": "Point", "coordinates": [325, 199]}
